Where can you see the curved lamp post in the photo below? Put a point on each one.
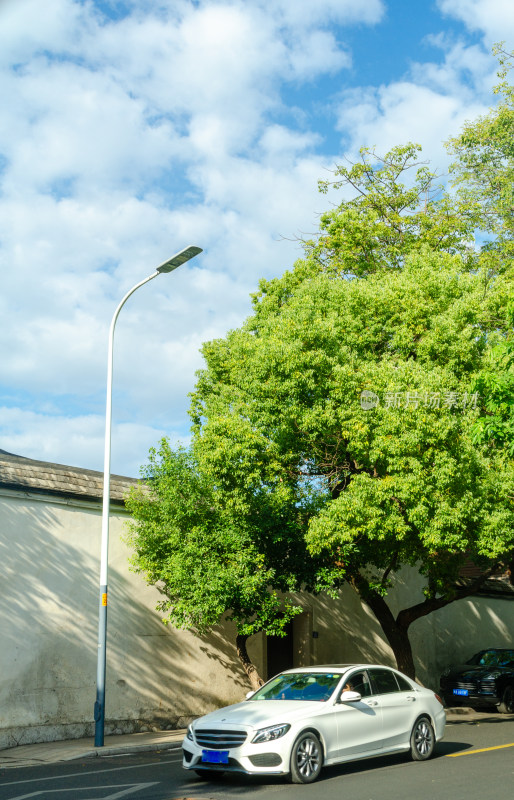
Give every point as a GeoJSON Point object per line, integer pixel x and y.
{"type": "Point", "coordinates": [168, 266]}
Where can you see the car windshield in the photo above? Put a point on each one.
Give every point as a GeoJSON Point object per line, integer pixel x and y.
{"type": "Point", "coordinates": [299, 686]}
{"type": "Point", "coordinates": [493, 658]}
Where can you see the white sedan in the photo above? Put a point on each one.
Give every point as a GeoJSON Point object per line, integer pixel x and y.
{"type": "Point", "coordinates": [306, 718]}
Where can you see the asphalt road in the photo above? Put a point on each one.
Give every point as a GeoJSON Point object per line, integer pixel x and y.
{"type": "Point", "coordinates": [471, 763]}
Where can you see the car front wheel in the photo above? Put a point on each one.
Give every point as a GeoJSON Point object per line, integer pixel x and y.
{"type": "Point", "coordinates": [306, 758]}
{"type": "Point", "coordinates": [507, 704]}
{"type": "Point", "coordinates": [422, 740]}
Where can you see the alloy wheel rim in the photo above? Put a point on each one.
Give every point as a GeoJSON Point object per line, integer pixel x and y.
{"type": "Point", "coordinates": [307, 758]}
{"type": "Point", "coordinates": [423, 738]}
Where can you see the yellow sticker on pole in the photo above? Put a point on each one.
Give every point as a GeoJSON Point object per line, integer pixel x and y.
{"type": "Point", "coordinates": [104, 599]}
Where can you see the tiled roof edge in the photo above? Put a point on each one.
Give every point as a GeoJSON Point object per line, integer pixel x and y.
{"type": "Point", "coordinates": [27, 474]}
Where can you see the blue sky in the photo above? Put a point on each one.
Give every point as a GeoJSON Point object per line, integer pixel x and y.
{"type": "Point", "coordinates": [132, 129]}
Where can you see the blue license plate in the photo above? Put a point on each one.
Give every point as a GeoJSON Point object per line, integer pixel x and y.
{"type": "Point", "coordinates": [461, 692]}
{"type": "Point", "coordinates": [215, 756]}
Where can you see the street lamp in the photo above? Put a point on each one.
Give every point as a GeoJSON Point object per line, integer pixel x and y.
{"type": "Point", "coordinates": [168, 266]}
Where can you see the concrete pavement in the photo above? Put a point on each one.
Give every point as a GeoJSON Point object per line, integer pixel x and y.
{"type": "Point", "coordinates": [74, 749]}
{"type": "Point", "coordinates": [50, 752]}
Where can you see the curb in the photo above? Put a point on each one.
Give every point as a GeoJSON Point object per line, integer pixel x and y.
{"type": "Point", "coordinates": [121, 750]}
{"type": "Point", "coordinates": [76, 750]}
{"type": "Point", "coordinates": [460, 710]}
{"type": "Point", "coordinates": [464, 714]}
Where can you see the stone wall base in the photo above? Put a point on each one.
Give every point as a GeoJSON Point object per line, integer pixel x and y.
{"type": "Point", "coordinates": [15, 737]}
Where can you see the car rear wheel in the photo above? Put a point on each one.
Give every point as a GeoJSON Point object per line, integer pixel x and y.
{"type": "Point", "coordinates": [306, 758]}
{"type": "Point", "coordinates": [507, 704]}
{"type": "Point", "coordinates": [422, 740]}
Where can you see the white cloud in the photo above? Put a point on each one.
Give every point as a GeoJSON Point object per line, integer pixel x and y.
{"type": "Point", "coordinates": [427, 107]}
{"type": "Point", "coordinates": [200, 62]}
{"type": "Point", "coordinates": [50, 437]}
{"type": "Point", "coordinates": [303, 13]}
{"type": "Point", "coordinates": [123, 140]}
{"type": "Point", "coordinates": [79, 133]}
{"type": "Point", "coordinates": [468, 72]}
{"type": "Point", "coordinates": [54, 29]}
{"type": "Point", "coordinates": [495, 18]}
{"type": "Point", "coordinates": [404, 112]}
{"type": "Point", "coordinates": [317, 52]}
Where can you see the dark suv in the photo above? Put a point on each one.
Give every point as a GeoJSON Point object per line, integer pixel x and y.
{"type": "Point", "coordinates": [487, 679]}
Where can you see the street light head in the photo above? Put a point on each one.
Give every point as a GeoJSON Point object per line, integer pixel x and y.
{"type": "Point", "coordinates": [179, 258]}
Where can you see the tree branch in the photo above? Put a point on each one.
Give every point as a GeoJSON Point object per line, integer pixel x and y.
{"type": "Point", "coordinates": [410, 615]}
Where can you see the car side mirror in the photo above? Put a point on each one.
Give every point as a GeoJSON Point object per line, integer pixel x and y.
{"type": "Point", "coordinates": [250, 694]}
{"type": "Point", "coordinates": [350, 697]}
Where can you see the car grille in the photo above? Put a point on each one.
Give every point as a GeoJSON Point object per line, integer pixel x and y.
{"type": "Point", "coordinates": [469, 685]}
{"type": "Point", "coordinates": [266, 760]}
{"type": "Point", "coordinates": [219, 740]}
{"type": "Point", "coordinates": [473, 687]}
{"type": "Point", "coordinates": [232, 766]}
{"type": "Point", "coordinates": [488, 687]}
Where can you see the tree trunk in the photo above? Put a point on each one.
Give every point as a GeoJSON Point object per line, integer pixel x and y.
{"type": "Point", "coordinates": [399, 640]}
{"type": "Point", "coordinates": [396, 632]}
{"type": "Point", "coordinates": [250, 669]}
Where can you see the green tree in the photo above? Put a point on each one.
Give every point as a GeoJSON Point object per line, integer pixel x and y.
{"type": "Point", "coordinates": [394, 486]}
{"type": "Point", "coordinates": [398, 206]}
{"type": "Point", "coordinates": [212, 559]}
{"type": "Point", "coordinates": [304, 486]}
{"type": "Point", "coordinates": [483, 172]}
{"type": "Point", "coordinates": [495, 385]}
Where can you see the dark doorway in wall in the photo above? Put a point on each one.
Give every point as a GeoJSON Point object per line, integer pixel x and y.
{"type": "Point", "coordinates": [280, 654]}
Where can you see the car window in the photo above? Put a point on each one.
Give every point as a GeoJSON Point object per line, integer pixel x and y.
{"type": "Point", "coordinates": [384, 681]}
{"type": "Point", "coordinates": [403, 683]}
{"type": "Point", "coordinates": [493, 658]}
{"type": "Point", "coordinates": [299, 686]}
{"type": "Point", "coordinates": [358, 682]}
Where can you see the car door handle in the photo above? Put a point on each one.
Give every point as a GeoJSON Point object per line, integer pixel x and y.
{"type": "Point", "coordinates": [371, 702]}
{"type": "Point", "coordinates": [411, 699]}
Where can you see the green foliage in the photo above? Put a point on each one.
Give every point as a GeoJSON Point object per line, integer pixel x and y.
{"type": "Point", "coordinates": [495, 384]}
{"type": "Point", "coordinates": [387, 218]}
{"type": "Point", "coordinates": [279, 406]}
{"type": "Point", "coordinates": [290, 482]}
{"type": "Point", "coordinates": [206, 560]}
{"type": "Point", "coordinates": [484, 172]}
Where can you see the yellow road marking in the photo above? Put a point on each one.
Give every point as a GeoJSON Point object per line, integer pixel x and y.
{"type": "Point", "coordinates": [483, 750]}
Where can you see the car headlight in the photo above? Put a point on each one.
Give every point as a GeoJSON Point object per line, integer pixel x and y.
{"type": "Point", "coordinates": [269, 734]}
{"type": "Point", "coordinates": [189, 734]}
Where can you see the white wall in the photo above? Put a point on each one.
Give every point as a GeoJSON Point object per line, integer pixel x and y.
{"type": "Point", "coordinates": [49, 568]}
{"type": "Point", "coordinates": [349, 632]}
{"type": "Point", "coordinates": [49, 563]}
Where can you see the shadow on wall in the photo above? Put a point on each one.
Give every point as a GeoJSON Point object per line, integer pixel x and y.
{"type": "Point", "coordinates": [348, 632]}
{"type": "Point", "coordinates": [474, 625]}
{"type": "Point", "coordinates": [157, 676]}
{"type": "Point", "coordinates": [453, 633]}
{"type": "Point", "coordinates": [49, 558]}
